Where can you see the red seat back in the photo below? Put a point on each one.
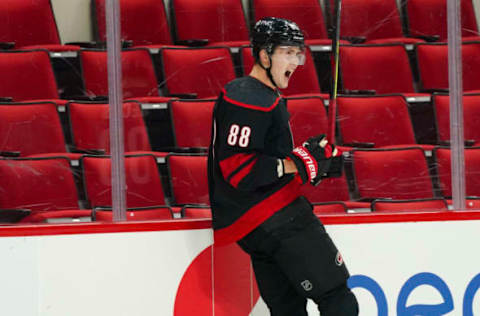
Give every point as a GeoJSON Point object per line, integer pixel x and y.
{"type": "Point", "coordinates": [28, 22]}
{"type": "Point", "coordinates": [373, 19]}
{"type": "Point", "coordinates": [192, 122]}
{"type": "Point", "coordinates": [188, 179]}
{"type": "Point", "coordinates": [471, 116]}
{"type": "Point", "coordinates": [393, 173]}
{"type": "Point", "coordinates": [308, 14]}
{"type": "Point", "coordinates": [429, 17]}
{"type": "Point", "coordinates": [31, 128]}
{"type": "Point", "coordinates": [215, 20]}
{"type": "Point", "coordinates": [203, 71]}
{"type": "Point", "coordinates": [38, 184]}
{"type": "Point", "coordinates": [308, 117]}
{"type": "Point", "coordinates": [144, 22]}
{"type": "Point", "coordinates": [330, 189]}
{"type": "Point", "coordinates": [138, 74]}
{"type": "Point", "coordinates": [27, 75]}
{"type": "Point", "coordinates": [142, 178]}
{"type": "Point", "coordinates": [472, 170]}
{"type": "Point", "coordinates": [90, 126]}
{"type": "Point", "coordinates": [383, 68]}
{"type": "Point", "coordinates": [433, 65]}
{"type": "Point", "coordinates": [382, 120]}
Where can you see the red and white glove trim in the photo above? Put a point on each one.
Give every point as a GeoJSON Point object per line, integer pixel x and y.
{"type": "Point", "coordinates": [311, 166]}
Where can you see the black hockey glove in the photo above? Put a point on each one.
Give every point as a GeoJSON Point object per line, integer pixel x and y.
{"type": "Point", "coordinates": [323, 151]}
{"type": "Point", "coordinates": [312, 159]}
{"type": "Point", "coordinates": [336, 167]}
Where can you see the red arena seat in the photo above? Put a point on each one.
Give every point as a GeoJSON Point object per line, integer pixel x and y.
{"type": "Point", "coordinates": [220, 22]}
{"type": "Point", "coordinates": [182, 68]}
{"type": "Point", "coordinates": [433, 66]}
{"type": "Point", "coordinates": [44, 186]}
{"type": "Point", "coordinates": [308, 117]}
{"type": "Point", "coordinates": [28, 129]}
{"type": "Point", "coordinates": [429, 18]}
{"type": "Point", "coordinates": [188, 179]}
{"type": "Point", "coordinates": [308, 14]}
{"type": "Point", "coordinates": [379, 68]}
{"type": "Point", "coordinates": [471, 117]}
{"type": "Point", "coordinates": [30, 24]}
{"type": "Point", "coordinates": [138, 73]}
{"type": "Point", "coordinates": [91, 133]}
{"type": "Point", "coordinates": [192, 123]}
{"type": "Point", "coordinates": [376, 121]}
{"type": "Point", "coordinates": [373, 21]}
{"type": "Point", "coordinates": [472, 170]}
{"type": "Point", "coordinates": [392, 174]}
{"type": "Point", "coordinates": [143, 22]}
{"type": "Point", "coordinates": [20, 81]}
{"type": "Point", "coordinates": [332, 190]}
{"type": "Point", "coordinates": [143, 183]}
{"type": "Point", "coordinates": [38, 184]}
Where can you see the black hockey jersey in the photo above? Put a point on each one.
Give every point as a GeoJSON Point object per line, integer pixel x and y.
{"type": "Point", "coordinates": [250, 133]}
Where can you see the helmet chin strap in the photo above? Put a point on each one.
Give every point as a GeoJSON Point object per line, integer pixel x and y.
{"type": "Point", "coordinates": [269, 72]}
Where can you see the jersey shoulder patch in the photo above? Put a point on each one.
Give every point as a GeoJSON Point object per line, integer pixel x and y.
{"type": "Point", "coordinates": [250, 93]}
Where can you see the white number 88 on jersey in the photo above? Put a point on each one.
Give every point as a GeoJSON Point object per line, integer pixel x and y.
{"type": "Point", "coordinates": [239, 136]}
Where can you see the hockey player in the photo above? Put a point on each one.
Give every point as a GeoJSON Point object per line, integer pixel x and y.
{"type": "Point", "coordinates": [254, 180]}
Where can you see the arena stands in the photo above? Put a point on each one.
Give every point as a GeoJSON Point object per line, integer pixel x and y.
{"type": "Point", "coordinates": [176, 57]}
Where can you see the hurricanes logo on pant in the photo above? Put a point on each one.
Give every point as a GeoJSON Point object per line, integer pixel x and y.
{"type": "Point", "coordinates": [338, 259]}
{"type": "Point", "coordinates": [307, 285]}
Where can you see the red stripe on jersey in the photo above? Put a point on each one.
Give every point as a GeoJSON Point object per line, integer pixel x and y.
{"type": "Point", "coordinates": [242, 173]}
{"type": "Point", "coordinates": [250, 106]}
{"type": "Point", "coordinates": [259, 213]}
{"type": "Point", "coordinates": [232, 163]}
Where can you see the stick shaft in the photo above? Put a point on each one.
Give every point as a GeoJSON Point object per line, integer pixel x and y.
{"type": "Point", "coordinates": [332, 107]}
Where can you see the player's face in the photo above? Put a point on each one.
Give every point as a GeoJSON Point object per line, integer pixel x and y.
{"type": "Point", "coordinates": [285, 60]}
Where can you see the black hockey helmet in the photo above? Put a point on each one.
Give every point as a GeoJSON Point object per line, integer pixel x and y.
{"type": "Point", "coordinates": [270, 32]}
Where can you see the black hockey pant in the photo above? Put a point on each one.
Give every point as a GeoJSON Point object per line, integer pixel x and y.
{"type": "Point", "coordinates": [294, 259]}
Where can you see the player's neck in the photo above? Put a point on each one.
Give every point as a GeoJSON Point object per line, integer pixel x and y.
{"type": "Point", "coordinates": [261, 75]}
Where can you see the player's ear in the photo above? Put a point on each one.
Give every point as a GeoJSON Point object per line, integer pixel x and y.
{"type": "Point", "coordinates": [264, 59]}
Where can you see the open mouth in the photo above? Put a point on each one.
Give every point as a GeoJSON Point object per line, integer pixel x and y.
{"type": "Point", "coordinates": [288, 74]}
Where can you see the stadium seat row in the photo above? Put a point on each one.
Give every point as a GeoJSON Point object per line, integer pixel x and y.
{"type": "Point", "coordinates": [202, 72]}
{"type": "Point", "coordinates": [213, 22]}
{"type": "Point", "coordinates": [383, 180]}
{"type": "Point", "coordinates": [50, 188]}
{"type": "Point", "coordinates": [76, 128]}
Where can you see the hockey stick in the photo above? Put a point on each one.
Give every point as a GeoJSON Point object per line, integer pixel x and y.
{"type": "Point", "coordinates": [332, 108]}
